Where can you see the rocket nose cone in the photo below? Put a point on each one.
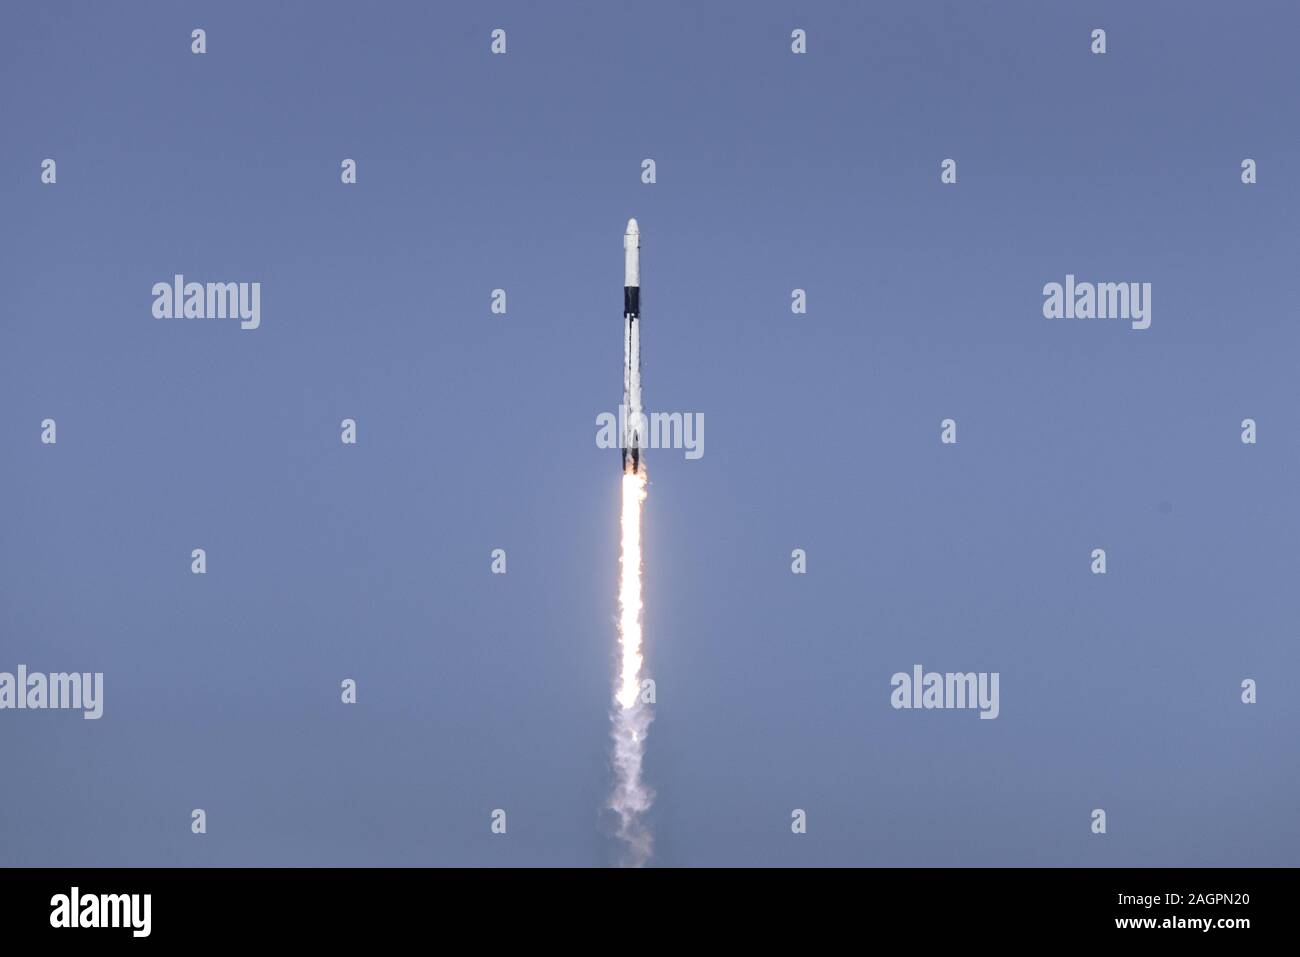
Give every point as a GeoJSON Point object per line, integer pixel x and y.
{"type": "Point", "coordinates": [632, 228]}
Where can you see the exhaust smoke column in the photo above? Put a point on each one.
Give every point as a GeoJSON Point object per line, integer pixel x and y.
{"type": "Point", "coordinates": [631, 716]}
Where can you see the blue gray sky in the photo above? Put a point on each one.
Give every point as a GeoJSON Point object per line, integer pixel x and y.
{"type": "Point", "coordinates": [477, 431]}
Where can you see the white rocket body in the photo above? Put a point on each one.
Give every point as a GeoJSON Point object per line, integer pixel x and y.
{"type": "Point", "coordinates": [634, 420]}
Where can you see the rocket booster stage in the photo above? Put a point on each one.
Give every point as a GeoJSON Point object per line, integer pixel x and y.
{"type": "Point", "coordinates": [633, 422]}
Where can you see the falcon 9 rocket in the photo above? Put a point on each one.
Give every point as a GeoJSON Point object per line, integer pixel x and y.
{"type": "Point", "coordinates": [634, 421]}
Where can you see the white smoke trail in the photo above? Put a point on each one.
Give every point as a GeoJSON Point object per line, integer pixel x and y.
{"type": "Point", "coordinates": [631, 717]}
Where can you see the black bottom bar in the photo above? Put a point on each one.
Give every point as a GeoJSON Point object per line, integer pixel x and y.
{"type": "Point", "coordinates": [978, 906]}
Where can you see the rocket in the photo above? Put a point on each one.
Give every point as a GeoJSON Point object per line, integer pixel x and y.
{"type": "Point", "coordinates": [634, 420]}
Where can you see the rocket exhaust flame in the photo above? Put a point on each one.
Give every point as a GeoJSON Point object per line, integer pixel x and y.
{"type": "Point", "coordinates": [629, 589]}
{"type": "Point", "coordinates": [631, 716]}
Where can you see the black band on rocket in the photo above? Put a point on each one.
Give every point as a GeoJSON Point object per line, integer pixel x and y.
{"type": "Point", "coordinates": [631, 300]}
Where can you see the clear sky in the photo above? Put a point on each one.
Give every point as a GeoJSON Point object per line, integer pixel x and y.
{"type": "Point", "coordinates": [477, 431]}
